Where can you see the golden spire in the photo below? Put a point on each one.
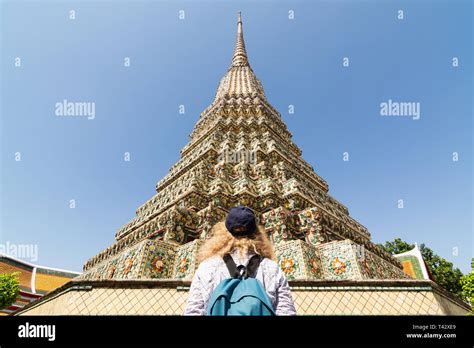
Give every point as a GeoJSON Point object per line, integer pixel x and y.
{"type": "Point", "coordinates": [240, 55]}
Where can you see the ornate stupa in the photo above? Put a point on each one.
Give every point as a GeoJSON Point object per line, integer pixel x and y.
{"type": "Point", "coordinates": [241, 152]}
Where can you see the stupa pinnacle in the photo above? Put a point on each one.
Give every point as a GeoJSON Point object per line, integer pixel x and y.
{"type": "Point", "coordinates": [240, 85]}
{"type": "Point", "coordinates": [240, 55]}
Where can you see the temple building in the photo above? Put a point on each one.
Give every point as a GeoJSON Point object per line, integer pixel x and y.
{"type": "Point", "coordinates": [413, 264]}
{"type": "Point", "coordinates": [240, 152]}
{"type": "Point", "coordinates": [35, 281]}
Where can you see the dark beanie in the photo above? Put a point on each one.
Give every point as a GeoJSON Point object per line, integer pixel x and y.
{"type": "Point", "coordinates": [243, 217]}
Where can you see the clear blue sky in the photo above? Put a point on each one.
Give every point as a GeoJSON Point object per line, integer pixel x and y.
{"type": "Point", "coordinates": [177, 62]}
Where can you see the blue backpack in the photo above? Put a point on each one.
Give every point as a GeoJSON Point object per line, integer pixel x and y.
{"type": "Point", "coordinates": [242, 294]}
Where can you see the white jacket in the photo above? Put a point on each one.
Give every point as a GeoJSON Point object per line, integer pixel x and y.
{"type": "Point", "coordinates": [214, 270]}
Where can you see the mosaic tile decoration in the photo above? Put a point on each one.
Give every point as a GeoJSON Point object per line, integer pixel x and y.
{"type": "Point", "coordinates": [158, 260]}
{"type": "Point", "coordinates": [310, 224]}
{"type": "Point", "coordinates": [280, 224]}
{"type": "Point", "coordinates": [339, 260]}
{"type": "Point", "coordinates": [374, 267]}
{"type": "Point", "coordinates": [348, 260]}
{"type": "Point", "coordinates": [208, 217]}
{"type": "Point", "coordinates": [289, 257]}
{"type": "Point", "coordinates": [125, 265]}
{"type": "Point", "coordinates": [312, 261]}
{"type": "Point", "coordinates": [299, 260]}
{"type": "Point", "coordinates": [146, 259]}
{"type": "Point", "coordinates": [186, 260]}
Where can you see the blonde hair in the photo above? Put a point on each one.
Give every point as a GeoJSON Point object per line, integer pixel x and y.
{"type": "Point", "coordinates": [222, 242]}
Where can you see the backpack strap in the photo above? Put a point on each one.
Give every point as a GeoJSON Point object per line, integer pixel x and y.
{"type": "Point", "coordinates": [231, 266]}
{"type": "Point", "coordinates": [253, 264]}
{"type": "Point", "coordinates": [242, 271]}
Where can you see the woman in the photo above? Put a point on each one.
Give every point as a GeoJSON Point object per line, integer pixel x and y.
{"type": "Point", "coordinates": [240, 237]}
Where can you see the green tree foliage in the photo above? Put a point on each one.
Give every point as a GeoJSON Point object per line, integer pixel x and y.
{"type": "Point", "coordinates": [467, 283]}
{"type": "Point", "coordinates": [398, 246]}
{"type": "Point", "coordinates": [9, 289]}
{"type": "Point", "coordinates": [442, 270]}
